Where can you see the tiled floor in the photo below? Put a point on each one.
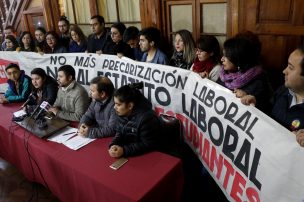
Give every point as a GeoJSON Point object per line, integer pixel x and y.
{"type": "Point", "coordinates": [15, 188]}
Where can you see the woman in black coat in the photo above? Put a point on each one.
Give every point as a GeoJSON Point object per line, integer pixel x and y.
{"type": "Point", "coordinates": [138, 128]}
{"type": "Point", "coordinates": [45, 87]}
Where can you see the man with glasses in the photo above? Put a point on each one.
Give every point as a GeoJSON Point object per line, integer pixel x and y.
{"type": "Point", "coordinates": [100, 36]}
{"type": "Point", "coordinates": [64, 36]}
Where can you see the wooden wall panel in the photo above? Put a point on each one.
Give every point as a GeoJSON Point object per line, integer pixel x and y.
{"type": "Point", "coordinates": [282, 8]}
{"type": "Point", "coordinates": [280, 27]}
{"type": "Point", "coordinates": [150, 13]}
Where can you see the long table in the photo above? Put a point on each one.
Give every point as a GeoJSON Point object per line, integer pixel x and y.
{"type": "Point", "coordinates": [84, 175]}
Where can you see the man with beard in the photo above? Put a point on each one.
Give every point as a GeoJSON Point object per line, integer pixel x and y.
{"type": "Point", "coordinates": [72, 98]}
{"type": "Point", "coordinates": [100, 119]}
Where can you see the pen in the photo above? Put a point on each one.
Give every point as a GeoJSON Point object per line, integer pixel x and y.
{"type": "Point", "coordinates": [68, 133]}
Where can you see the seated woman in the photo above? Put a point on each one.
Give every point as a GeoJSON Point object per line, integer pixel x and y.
{"type": "Point", "coordinates": [27, 43]}
{"type": "Point", "coordinates": [19, 85]}
{"type": "Point", "coordinates": [184, 50]}
{"type": "Point", "coordinates": [45, 87]}
{"type": "Point", "coordinates": [138, 127]}
{"type": "Point", "coordinates": [242, 73]}
{"type": "Point", "coordinates": [207, 62]}
{"type": "Point", "coordinates": [11, 43]}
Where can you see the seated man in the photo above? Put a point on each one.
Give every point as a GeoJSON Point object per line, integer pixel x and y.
{"type": "Point", "coordinates": [100, 119]}
{"type": "Point", "coordinates": [72, 98]}
{"type": "Point", "coordinates": [19, 85]}
{"type": "Point", "coordinates": [288, 102]}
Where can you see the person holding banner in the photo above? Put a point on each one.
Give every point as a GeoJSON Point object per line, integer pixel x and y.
{"type": "Point", "coordinates": [19, 85]}
{"type": "Point", "coordinates": [138, 127]}
{"type": "Point", "coordinates": [100, 36]}
{"type": "Point", "coordinates": [100, 119]}
{"type": "Point", "coordinates": [78, 43]}
{"type": "Point", "coordinates": [207, 63]}
{"type": "Point", "coordinates": [288, 105]}
{"type": "Point", "coordinates": [11, 43]}
{"type": "Point", "coordinates": [27, 43]}
{"type": "Point", "coordinates": [40, 38]}
{"type": "Point", "coordinates": [117, 46]}
{"type": "Point", "coordinates": [53, 44]}
{"type": "Point", "coordinates": [64, 35]}
{"type": "Point", "coordinates": [8, 30]}
{"type": "Point", "coordinates": [184, 50]}
{"type": "Point", "coordinates": [130, 37]}
{"type": "Point", "coordinates": [72, 98]}
{"type": "Point", "coordinates": [288, 100]}
{"type": "Point", "coordinates": [242, 73]}
{"type": "Point", "coordinates": [149, 39]}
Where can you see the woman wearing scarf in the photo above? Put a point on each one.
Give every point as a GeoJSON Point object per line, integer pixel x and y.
{"type": "Point", "coordinates": [184, 51]}
{"type": "Point", "coordinates": [242, 73]}
{"type": "Point", "coordinates": [207, 62]}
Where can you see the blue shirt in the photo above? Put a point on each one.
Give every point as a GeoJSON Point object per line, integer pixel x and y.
{"type": "Point", "coordinates": [159, 58]}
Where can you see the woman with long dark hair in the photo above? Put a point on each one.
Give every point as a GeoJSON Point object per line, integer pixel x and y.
{"type": "Point", "coordinates": [138, 127]}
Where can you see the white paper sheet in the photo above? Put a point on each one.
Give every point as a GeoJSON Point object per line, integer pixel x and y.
{"type": "Point", "coordinates": [19, 113]}
{"type": "Point", "coordinates": [77, 142]}
{"type": "Point", "coordinates": [68, 136]}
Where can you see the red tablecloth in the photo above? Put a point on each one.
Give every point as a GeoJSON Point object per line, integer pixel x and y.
{"type": "Point", "coordinates": [84, 175]}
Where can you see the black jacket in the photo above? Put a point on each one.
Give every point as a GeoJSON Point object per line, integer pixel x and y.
{"type": "Point", "coordinates": [290, 117]}
{"type": "Point", "coordinates": [139, 132]}
{"type": "Point", "coordinates": [49, 92]}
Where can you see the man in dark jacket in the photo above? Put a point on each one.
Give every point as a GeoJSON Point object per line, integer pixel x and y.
{"type": "Point", "coordinates": [288, 108]}
{"type": "Point", "coordinates": [288, 101]}
{"type": "Point", "coordinates": [100, 36]}
{"type": "Point", "coordinates": [100, 118]}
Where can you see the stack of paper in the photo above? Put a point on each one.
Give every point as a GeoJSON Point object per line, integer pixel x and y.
{"type": "Point", "coordinates": [68, 136]}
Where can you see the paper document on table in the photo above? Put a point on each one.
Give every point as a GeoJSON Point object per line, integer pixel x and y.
{"type": "Point", "coordinates": [68, 136]}
{"type": "Point", "coordinates": [63, 135]}
{"type": "Point", "coordinates": [19, 113]}
{"type": "Point", "coordinates": [77, 142]}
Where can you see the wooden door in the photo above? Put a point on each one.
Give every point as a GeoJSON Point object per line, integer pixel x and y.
{"type": "Point", "coordinates": [280, 27]}
{"type": "Point", "coordinates": [34, 20]}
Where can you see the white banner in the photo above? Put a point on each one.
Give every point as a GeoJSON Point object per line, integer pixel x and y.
{"type": "Point", "coordinates": [251, 157]}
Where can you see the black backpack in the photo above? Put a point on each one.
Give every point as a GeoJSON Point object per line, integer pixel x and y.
{"type": "Point", "coordinates": [171, 134]}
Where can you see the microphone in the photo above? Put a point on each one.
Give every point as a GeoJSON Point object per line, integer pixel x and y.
{"type": "Point", "coordinates": [28, 99]}
{"type": "Point", "coordinates": [43, 107]}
